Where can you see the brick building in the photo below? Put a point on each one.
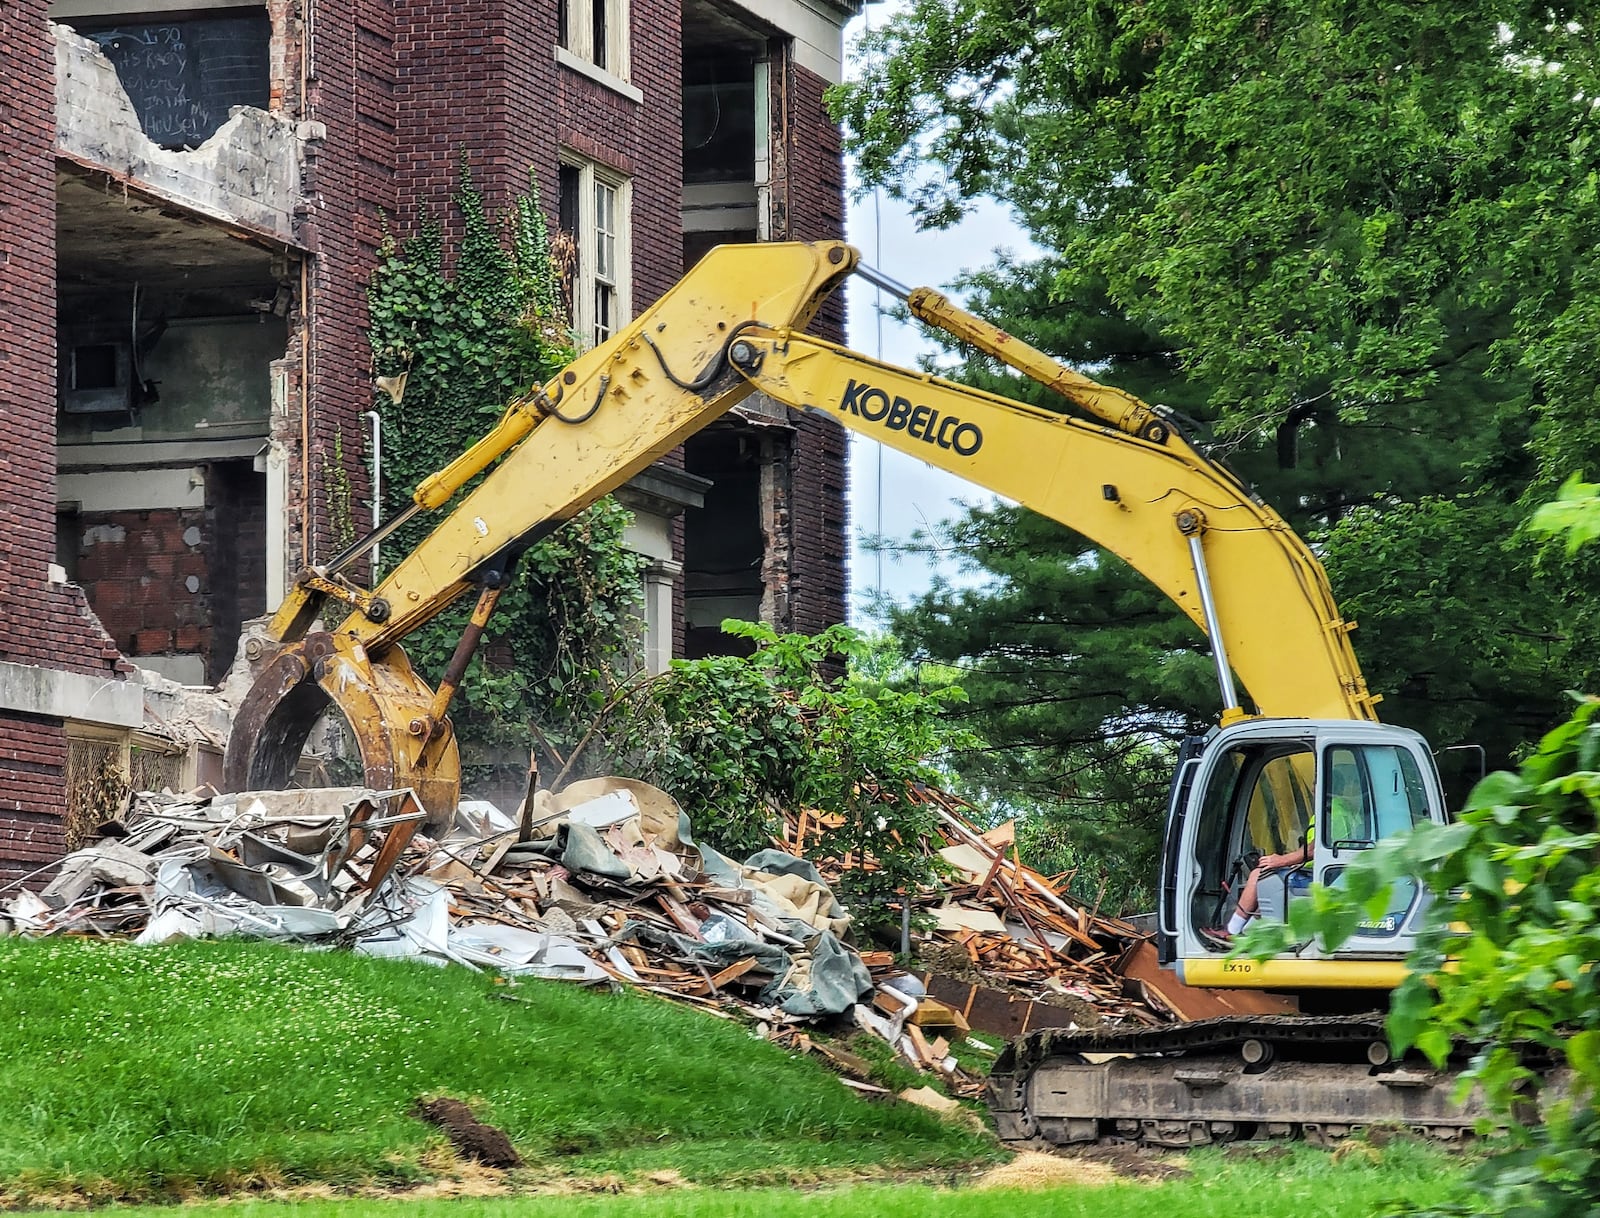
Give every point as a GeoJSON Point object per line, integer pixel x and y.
{"type": "Point", "coordinates": [191, 195]}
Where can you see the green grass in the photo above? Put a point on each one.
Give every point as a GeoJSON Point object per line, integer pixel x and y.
{"type": "Point", "coordinates": [1303, 1183]}
{"type": "Point", "coordinates": [153, 1072]}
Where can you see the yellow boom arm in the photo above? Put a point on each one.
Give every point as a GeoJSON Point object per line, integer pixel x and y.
{"type": "Point", "coordinates": [1129, 481]}
{"type": "Point", "coordinates": [1151, 503]}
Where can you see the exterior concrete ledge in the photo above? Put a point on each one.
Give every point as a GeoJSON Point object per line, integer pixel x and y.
{"type": "Point", "coordinates": [598, 74]}
{"type": "Point", "coordinates": [663, 491]}
{"type": "Point", "coordinates": [55, 694]}
{"type": "Point", "coordinates": [247, 174]}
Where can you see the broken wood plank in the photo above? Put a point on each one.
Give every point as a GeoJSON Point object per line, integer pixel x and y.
{"type": "Point", "coordinates": [734, 971]}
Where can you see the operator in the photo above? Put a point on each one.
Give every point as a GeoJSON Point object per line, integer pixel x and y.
{"type": "Point", "coordinates": [1248, 904]}
{"type": "Point", "coordinates": [1343, 807]}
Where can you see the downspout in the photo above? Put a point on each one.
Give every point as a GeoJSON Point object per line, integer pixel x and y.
{"type": "Point", "coordinates": [377, 484]}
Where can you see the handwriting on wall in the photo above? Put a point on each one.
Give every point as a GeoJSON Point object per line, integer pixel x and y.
{"type": "Point", "coordinates": [184, 76]}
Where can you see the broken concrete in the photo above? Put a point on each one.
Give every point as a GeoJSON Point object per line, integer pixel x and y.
{"type": "Point", "coordinates": [247, 174]}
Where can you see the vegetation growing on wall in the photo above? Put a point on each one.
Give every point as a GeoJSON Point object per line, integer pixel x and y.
{"type": "Point", "coordinates": [472, 313]}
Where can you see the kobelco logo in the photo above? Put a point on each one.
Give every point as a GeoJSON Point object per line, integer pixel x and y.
{"type": "Point", "coordinates": [920, 422]}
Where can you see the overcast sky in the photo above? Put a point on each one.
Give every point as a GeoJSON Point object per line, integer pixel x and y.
{"type": "Point", "coordinates": [911, 495]}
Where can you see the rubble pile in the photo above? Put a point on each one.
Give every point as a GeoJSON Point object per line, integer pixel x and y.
{"type": "Point", "coordinates": [1010, 932]}
{"type": "Point", "coordinates": [603, 883]}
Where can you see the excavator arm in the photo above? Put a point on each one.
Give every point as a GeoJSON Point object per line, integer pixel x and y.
{"type": "Point", "coordinates": [1128, 480]}
{"type": "Point", "coordinates": [1222, 556]}
{"type": "Point", "coordinates": [604, 418]}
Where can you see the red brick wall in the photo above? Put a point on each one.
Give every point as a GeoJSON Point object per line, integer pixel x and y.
{"type": "Point", "coordinates": [642, 141]}
{"type": "Point", "coordinates": [349, 180]}
{"type": "Point", "coordinates": [477, 78]}
{"type": "Point", "coordinates": [33, 806]}
{"type": "Point", "coordinates": [819, 519]}
{"type": "Point", "coordinates": [135, 565]}
{"type": "Point", "coordinates": [39, 624]}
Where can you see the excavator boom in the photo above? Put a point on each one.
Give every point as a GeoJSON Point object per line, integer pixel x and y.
{"type": "Point", "coordinates": [1144, 500]}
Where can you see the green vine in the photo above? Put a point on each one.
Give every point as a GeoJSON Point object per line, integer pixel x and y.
{"type": "Point", "coordinates": [341, 495]}
{"type": "Point", "coordinates": [473, 322]}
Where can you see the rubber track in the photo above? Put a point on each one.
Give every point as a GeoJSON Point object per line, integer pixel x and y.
{"type": "Point", "coordinates": [1225, 1032]}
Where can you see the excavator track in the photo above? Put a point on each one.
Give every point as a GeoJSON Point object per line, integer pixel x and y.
{"type": "Point", "coordinates": [1318, 1078]}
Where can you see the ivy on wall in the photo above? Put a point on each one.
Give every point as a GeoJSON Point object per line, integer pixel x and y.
{"type": "Point", "coordinates": [473, 320]}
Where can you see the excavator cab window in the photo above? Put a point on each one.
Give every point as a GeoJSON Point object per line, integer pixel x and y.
{"type": "Point", "coordinates": [1371, 792]}
{"type": "Point", "coordinates": [1258, 800]}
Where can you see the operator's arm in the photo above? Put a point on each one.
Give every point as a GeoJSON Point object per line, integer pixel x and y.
{"type": "Point", "coordinates": [1277, 862]}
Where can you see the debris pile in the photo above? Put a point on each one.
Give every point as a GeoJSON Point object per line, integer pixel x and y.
{"type": "Point", "coordinates": [603, 883]}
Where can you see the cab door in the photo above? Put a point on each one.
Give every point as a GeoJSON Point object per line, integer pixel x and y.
{"type": "Point", "coordinates": [1369, 790]}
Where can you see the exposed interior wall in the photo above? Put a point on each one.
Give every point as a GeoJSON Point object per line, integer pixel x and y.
{"type": "Point", "coordinates": [175, 297]}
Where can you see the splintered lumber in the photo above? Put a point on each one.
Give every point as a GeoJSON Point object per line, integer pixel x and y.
{"type": "Point", "coordinates": [734, 971]}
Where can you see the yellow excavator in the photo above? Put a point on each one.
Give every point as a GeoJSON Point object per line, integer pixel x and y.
{"type": "Point", "coordinates": [1307, 762]}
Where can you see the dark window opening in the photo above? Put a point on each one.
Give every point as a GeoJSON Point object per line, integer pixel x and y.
{"type": "Point", "coordinates": [719, 116]}
{"type": "Point", "coordinates": [597, 16]}
{"type": "Point", "coordinates": [69, 540]}
{"type": "Point", "coordinates": [95, 367]}
{"type": "Point", "coordinates": [723, 544]}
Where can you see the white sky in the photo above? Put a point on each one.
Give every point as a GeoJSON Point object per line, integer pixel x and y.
{"type": "Point", "coordinates": [890, 493]}
{"type": "Point", "coordinates": [910, 495]}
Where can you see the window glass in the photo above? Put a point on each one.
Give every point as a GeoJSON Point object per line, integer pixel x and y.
{"type": "Point", "coordinates": [1373, 791]}
{"type": "Point", "coordinates": [599, 44]}
{"type": "Point", "coordinates": [1281, 801]}
{"type": "Point", "coordinates": [593, 30]}
{"type": "Point", "coordinates": [593, 214]}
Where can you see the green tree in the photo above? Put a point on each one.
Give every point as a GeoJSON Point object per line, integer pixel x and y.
{"type": "Point", "coordinates": [1506, 963]}
{"type": "Point", "coordinates": [739, 740]}
{"type": "Point", "coordinates": [1306, 198]}
{"type": "Point", "coordinates": [1314, 231]}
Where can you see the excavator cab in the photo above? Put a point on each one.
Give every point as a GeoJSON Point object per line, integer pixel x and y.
{"type": "Point", "coordinates": [1272, 786]}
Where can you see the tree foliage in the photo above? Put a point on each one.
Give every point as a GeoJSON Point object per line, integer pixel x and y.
{"type": "Point", "coordinates": [1315, 232]}
{"type": "Point", "coordinates": [1507, 959]}
{"type": "Point", "coordinates": [1309, 199]}
{"type": "Point", "coordinates": [474, 322]}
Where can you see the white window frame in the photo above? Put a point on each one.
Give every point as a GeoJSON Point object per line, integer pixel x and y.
{"type": "Point", "coordinates": [589, 279]}
{"type": "Point", "coordinates": [611, 58]}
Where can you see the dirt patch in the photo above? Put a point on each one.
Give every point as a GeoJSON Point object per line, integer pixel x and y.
{"type": "Point", "coordinates": [1033, 1169]}
{"type": "Point", "coordinates": [1136, 1163]}
{"type": "Point", "coordinates": [470, 1137]}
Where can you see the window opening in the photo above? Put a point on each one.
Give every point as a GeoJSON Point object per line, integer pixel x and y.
{"type": "Point", "coordinates": [593, 30]}
{"type": "Point", "coordinates": [592, 212]}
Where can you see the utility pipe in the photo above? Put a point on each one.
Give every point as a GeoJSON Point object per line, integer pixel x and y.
{"type": "Point", "coordinates": [377, 483]}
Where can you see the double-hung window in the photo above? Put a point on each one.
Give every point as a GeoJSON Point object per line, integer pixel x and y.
{"type": "Point", "coordinates": [595, 31]}
{"type": "Point", "coordinates": [594, 214]}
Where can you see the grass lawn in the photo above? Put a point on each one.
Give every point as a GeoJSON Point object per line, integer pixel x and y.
{"type": "Point", "coordinates": [158, 1072]}
{"type": "Point", "coordinates": [1300, 1182]}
